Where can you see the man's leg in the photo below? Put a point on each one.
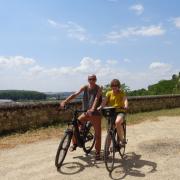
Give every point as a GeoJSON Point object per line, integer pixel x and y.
{"type": "Point", "coordinates": [96, 121]}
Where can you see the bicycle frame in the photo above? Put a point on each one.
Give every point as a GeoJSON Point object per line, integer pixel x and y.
{"type": "Point", "coordinates": [75, 127]}
{"type": "Point", "coordinates": [111, 127]}
{"type": "Point", "coordinates": [81, 138]}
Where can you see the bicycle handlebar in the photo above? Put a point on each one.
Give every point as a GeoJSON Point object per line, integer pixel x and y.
{"type": "Point", "coordinates": [110, 107]}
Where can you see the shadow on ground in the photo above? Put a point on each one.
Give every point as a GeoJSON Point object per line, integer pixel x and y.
{"type": "Point", "coordinates": [132, 165]}
{"type": "Point", "coordinates": [71, 168]}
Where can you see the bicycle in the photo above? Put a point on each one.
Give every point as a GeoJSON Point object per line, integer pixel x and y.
{"type": "Point", "coordinates": [85, 137]}
{"type": "Point", "coordinates": [112, 144]}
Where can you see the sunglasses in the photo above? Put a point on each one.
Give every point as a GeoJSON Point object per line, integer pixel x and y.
{"type": "Point", "coordinates": [91, 79]}
{"type": "Point", "coordinates": [114, 85]}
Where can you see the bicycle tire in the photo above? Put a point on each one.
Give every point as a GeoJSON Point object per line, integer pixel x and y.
{"type": "Point", "coordinates": [89, 137]}
{"type": "Point", "coordinates": [123, 148]}
{"type": "Point", "coordinates": [62, 148]}
{"type": "Point", "coordinates": [109, 152]}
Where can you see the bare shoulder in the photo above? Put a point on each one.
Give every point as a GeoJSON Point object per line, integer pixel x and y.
{"type": "Point", "coordinates": [83, 88]}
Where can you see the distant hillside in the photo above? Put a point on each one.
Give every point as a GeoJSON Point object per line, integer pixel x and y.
{"type": "Point", "coordinates": [21, 95]}
{"type": "Point", "coordinates": [60, 95]}
{"type": "Point", "coordinates": [171, 86]}
{"type": "Point", "coordinates": [57, 95]}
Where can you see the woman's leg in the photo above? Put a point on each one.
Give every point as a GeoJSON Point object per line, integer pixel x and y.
{"type": "Point", "coordinates": [119, 127]}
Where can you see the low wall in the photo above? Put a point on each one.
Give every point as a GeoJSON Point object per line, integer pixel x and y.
{"type": "Point", "coordinates": [150, 103]}
{"type": "Point", "coordinates": [32, 115]}
{"type": "Point", "coordinates": [24, 116]}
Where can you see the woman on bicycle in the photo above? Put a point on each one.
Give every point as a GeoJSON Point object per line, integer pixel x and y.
{"type": "Point", "coordinates": [116, 97]}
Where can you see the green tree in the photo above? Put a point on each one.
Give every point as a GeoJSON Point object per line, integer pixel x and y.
{"type": "Point", "coordinates": [107, 87]}
{"type": "Point", "coordinates": [21, 95]}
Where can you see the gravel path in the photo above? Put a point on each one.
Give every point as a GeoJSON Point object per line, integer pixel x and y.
{"type": "Point", "coordinates": [153, 152]}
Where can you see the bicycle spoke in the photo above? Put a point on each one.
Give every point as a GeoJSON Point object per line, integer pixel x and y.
{"type": "Point", "coordinates": [62, 149]}
{"type": "Point", "coordinates": [89, 138]}
{"type": "Point", "coordinates": [109, 152]}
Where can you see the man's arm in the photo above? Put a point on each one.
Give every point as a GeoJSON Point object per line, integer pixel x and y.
{"type": "Point", "coordinates": [105, 101]}
{"type": "Point", "coordinates": [96, 100]}
{"type": "Point", "coordinates": [71, 97]}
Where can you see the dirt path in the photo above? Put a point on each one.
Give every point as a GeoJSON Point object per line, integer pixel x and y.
{"type": "Point", "coordinates": [153, 152]}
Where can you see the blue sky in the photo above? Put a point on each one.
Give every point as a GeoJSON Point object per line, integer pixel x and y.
{"type": "Point", "coordinates": [53, 45]}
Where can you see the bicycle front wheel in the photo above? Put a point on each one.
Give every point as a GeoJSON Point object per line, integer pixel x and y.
{"type": "Point", "coordinates": [109, 152]}
{"type": "Point", "coordinates": [122, 146]}
{"type": "Point", "coordinates": [89, 137]}
{"type": "Point", "coordinates": [62, 149]}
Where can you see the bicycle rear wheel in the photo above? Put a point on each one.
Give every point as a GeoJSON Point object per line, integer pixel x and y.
{"type": "Point", "coordinates": [89, 137]}
{"type": "Point", "coordinates": [62, 149]}
{"type": "Point", "coordinates": [109, 152]}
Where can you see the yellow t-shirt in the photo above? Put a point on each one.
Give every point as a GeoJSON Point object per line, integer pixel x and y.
{"type": "Point", "coordinates": [115, 100]}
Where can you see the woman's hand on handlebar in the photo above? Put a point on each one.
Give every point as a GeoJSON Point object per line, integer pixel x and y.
{"type": "Point", "coordinates": [99, 108]}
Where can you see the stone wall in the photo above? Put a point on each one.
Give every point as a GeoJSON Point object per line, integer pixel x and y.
{"type": "Point", "coordinates": [150, 103]}
{"type": "Point", "coordinates": [23, 116]}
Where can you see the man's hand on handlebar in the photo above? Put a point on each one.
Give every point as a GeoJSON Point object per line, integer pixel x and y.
{"type": "Point", "coordinates": [62, 105]}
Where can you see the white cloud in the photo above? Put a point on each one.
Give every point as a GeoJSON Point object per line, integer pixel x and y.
{"type": "Point", "coordinates": [15, 61]}
{"type": "Point", "coordinates": [72, 29]}
{"type": "Point", "coordinates": [126, 60]}
{"type": "Point", "coordinates": [137, 8]}
{"type": "Point", "coordinates": [36, 70]}
{"type": "Point", "coordinates": [176, 22]}
{"type": "Point", "coordinates": [75, 31]}
{"type": "Point", "coordinates": [112, 62]}
{"type": "Point", "coordinates": [88, 65]}
{"type": "Point", "coordinates": [160, 67]}
{"type": "Point", "coordinates": [69, 78]}
{"type": "Point", "coordinates": [150, 31]}
{"type": "Point", "coordinates": [52, 23]}
{"type": "Point", "coordinates": [114, 36]}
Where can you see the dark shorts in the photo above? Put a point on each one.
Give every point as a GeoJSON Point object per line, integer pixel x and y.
{"type": "Point", "coordinates": [120, 114]}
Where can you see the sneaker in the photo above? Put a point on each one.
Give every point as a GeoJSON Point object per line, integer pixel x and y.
{"type": "Point", "coordinates": [124, 141]}
{"type": "Point", "coordinates": [73, 147]}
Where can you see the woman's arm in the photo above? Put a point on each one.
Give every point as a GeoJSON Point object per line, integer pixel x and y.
{"type": "Point", "coordinates": [125, 102]}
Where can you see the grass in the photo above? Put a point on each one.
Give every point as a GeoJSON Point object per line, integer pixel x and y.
{"type": "Point", "coordinates": [34, 135]}
{"type": "Point", "coordinates": [30, 136]}
{"type": "Point", "coordinates": [153, 115]}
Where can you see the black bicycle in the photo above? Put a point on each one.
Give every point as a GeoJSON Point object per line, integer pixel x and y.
{"type": "Point", "coordinates": [112, 142]}
{"type": "Point", "coordinates": [85, 137]}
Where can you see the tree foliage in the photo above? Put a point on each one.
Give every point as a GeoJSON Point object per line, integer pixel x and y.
{"type": "Point", "coordinates": [107, 87]}
{"type": "Point", "coordinates": [171, 86]}
{"type": "Point", "coordinates": [21, 95]}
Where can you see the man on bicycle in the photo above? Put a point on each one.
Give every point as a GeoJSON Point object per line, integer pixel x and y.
{"type": "Point", "coordinates": [117, 98]}
{"type": "Point", "coordinates": [92, 97]}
